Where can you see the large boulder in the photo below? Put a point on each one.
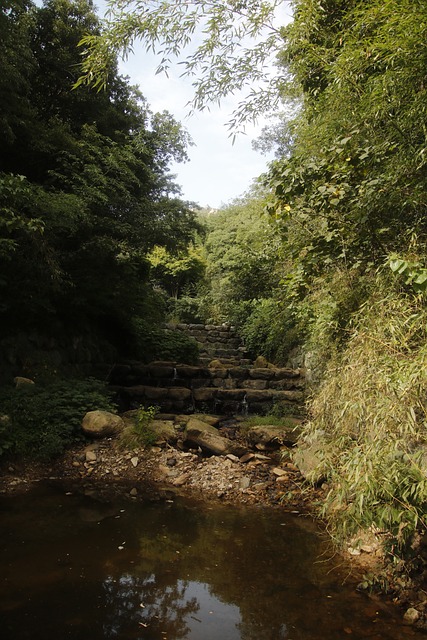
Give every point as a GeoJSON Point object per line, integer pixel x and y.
{"type": "Point", "coordinates": [20, 381]}
{"type": "Point", "coordinates": [205, 436]}
{"type": "Point", "coordinates": [272, 436]}
{"type": "Point", "coordinates": [101, 424]}
{"type": "Point", "coordinates": [309, 455]}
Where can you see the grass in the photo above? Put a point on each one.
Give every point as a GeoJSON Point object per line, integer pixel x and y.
{"type": "Point", "coordinates": [371, 412]}
{"type": "Point", "coordinates": [275, 421]}
{"type": "Point", "coordinates": [140, 433]}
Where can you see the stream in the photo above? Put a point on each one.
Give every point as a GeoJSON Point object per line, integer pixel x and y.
{"type": "Point", "coordinates": [75, 565]}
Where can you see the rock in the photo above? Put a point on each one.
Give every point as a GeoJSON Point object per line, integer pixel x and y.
{"type": "Point", "coordinates": [100, 424]}
{"type": "Point", "coordinates": [247, 457]}
{"type": "Point", "coordinates": [204, 394]}
{"type": "Point", "coordinates": [179, 393]}
{"type": "Point", "coordinates": [212, 420]}
{"type": "Point", "coordinates": [411, 616]}
{"type": "Point", "coordinates": [22, 382]}
{"type": "Point", "coordinates": [164, 470]}
{"type": "Point", "coordinates": [261, 373]}
{"type": "Point", "coordinates": [164, 430]}
{"type": "Point", "coordinates": [133, 492]}
{"type": "Point", "coordinates": [232, 457]}
{"type": "Point", "coordinates": [216, 364]}
{"type": "Point", "coordinates": [180, 480]}
{"type": "Point", "coordinates": [261, 363]}
{"type": "Point", "coordinates": [244, 482]}
{"type": "Point", "coordinates": [308, 457]}
{"type": "Point", "coordinates": [272, 436]}
{"type": "Point", "coordinates": [134, 461]}
{"type": "Point", "coordinates": [203, 435]}
{"type": "Point", "coordinates": [279, 472]}
{"type": "Point", "coordinates": [90, 456]}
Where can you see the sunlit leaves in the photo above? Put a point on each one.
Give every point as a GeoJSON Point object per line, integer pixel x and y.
{"type": "Point", "coordinates": [223, 47]}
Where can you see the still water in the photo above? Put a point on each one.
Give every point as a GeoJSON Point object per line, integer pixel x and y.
{"type": "Point", "coordinates": [75, 566]}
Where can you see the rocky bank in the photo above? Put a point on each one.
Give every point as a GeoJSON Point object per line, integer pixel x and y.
{"type": "Point", "coordinates": [258, 469]}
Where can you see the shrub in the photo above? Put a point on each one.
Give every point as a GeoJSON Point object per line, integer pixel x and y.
{"type": "Point", "coordinates": [371, 412]}
{"type": "Point", "coordinates": [140, 433]}
{"type": "Point", "coordinates": [164, 344]}
{"type": "Point", "coordinates": [44, 420]}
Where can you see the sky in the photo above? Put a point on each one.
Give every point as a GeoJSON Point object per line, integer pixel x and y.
{"type": "Point", "coordinates": [219, 170]}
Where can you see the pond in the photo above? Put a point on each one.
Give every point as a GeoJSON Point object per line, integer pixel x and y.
{"type": "Point", "coordinates": [75, 565]}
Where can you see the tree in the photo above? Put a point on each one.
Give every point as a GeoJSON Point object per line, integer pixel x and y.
{"type": "Point", "coordinates": [237, 43]}
{"type": "Point", "coordinates": [241, 253]}
{"type": "Point", "coordinates": [176, 273]}
{"type": "Point", "coordinates": [354, 187]}
{"type": "Point", "coordinates": [85, 188]}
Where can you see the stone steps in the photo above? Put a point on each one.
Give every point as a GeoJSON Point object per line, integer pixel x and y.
{"type": "Point", "coordinates": [224, 389]}
{"type": "Point", "coordinates": [215, 342]}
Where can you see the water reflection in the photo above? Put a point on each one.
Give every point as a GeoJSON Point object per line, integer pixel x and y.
{"type": "Point", "coordinates": [73, 566]}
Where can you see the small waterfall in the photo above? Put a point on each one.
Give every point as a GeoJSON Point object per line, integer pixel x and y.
{"type": "Point", "coordinates": [175, 374]}
{"type": "Point", "coordinates": [244, 407]}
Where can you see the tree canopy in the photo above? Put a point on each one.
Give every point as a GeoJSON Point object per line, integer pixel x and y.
{"type": "Point", "coordinates": [85, 185]}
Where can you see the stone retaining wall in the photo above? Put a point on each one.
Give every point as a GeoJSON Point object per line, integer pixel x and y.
{"type": "Point", "coordinates": [215, 342]}
{"type": "Point", "coordinates": [223, 390]}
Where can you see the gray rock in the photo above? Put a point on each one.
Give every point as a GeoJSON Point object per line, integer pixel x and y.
{"type": "Point", "coordinates": [203, 435]}
{"type": "Point", "coordinates": [272, 435]}
{"type": "Point", "coordinates": [411, 616]}
{"type": "Point", "coordinates": [308, 457]}
{"type": "Point", "coordinates": [100, 424]}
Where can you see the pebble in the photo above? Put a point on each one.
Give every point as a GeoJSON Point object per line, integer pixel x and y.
{"type": "Point", "coordinates": [279, 472]}
{"type": "Point", "coordinates": [134, 461]}
{"type": "Point", "coordinates": [411, 616]}
{"type": "Point", "coordinates": [244, 482]}
{"type": "Point", "coordinates": [180, 480]}
{"type": "Point", "coordinates": [247, 457]}
{"type": "Point", "coordinates": [232, 457]}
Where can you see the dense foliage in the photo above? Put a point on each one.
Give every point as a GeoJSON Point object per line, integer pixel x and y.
{"type": "Point", "coordinates": [351, 203]}
{"type": "Point", "coordinates": [40, 421]}
{"type": "Point", "coordinates": [85, 189]}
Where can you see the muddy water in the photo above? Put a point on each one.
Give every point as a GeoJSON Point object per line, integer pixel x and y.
{"type": "Point", "coordinates": [75, 566]}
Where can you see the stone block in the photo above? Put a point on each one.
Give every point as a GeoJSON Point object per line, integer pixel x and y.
{"type": "Point", "coordinates": [255, 395]}
{"type": "Point", "coordinates": [260, 385]}
{"type": "Point", "coordinates": [205, 394]}
{"type": "Point", "coordinates": [187, 371]}
{"type": "Point", "coordinates": [280, 374]}
{"type": "Point", "coordinates": [261, 374]}
{"type": "Point", "coordinates": [289, 396]}
{"type": "Point", "coordinates": [159, 372]}
{"type": "Point", "coordinates": [179, 393]}
{"type": "Point", "coordinates": [155, 393]}
{"type": "Point", "coordinates": [230, 395]}
{"type": "Point", "coordinates": [240, 373]}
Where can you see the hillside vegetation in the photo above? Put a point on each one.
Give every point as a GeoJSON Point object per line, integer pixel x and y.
{"type": "Point", "coordinates": [323, 260]}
